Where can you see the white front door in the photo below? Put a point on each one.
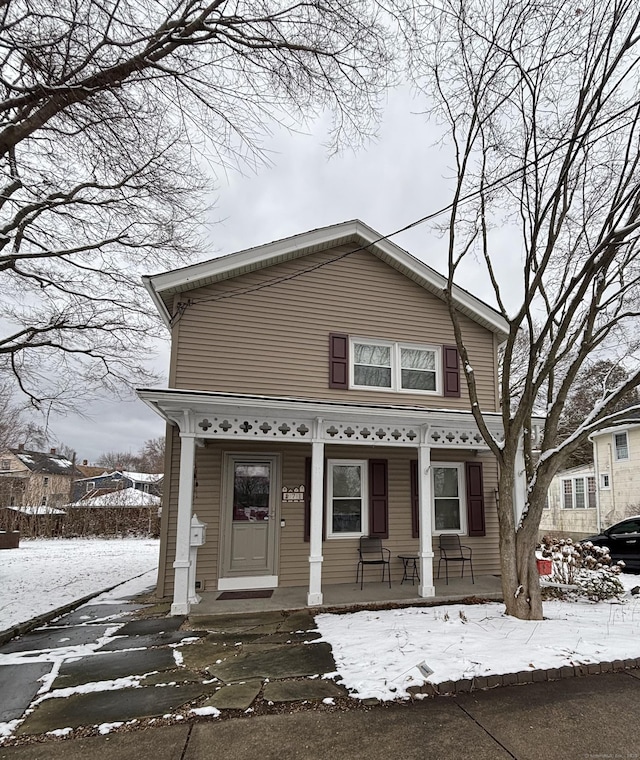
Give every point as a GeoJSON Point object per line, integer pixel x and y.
{"type": "Point", "coordinates": [249, 521]}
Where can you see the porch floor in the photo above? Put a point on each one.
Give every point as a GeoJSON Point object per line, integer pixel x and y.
{"type": "Point", "coordinates": [349, 595]}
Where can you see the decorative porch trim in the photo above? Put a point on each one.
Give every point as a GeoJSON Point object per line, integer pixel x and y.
{"type": "Point", "coordinates": [225, 416]}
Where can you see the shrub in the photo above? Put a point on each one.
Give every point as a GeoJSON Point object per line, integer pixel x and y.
{"type": "Point", "coordinates": [584, 566]}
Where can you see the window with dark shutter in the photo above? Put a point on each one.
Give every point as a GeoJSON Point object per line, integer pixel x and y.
{"type": "Point", "coordinates": [338, 361]}
{"type": "Point", "coordinates": [475, 499]}
{"type": "Point", "coordinates": [415, 504]}
{"type": "Point", "coordinates": [378, 498]}
{"type": "Point", "coordinates": [451, 369]}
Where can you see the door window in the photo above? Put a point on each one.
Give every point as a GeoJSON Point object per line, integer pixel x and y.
{"type": "Point", "coordinates": [251, 481]}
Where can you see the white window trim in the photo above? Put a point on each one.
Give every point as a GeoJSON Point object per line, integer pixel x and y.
{"type": "Point", "coordinates": [604, 487]}
{"type": "Point", "coordinates": [396, 369]}
{"type": "Point", "coordinates": [574, 492]}
{"type": "Point", "coordinates": [364, 516]}
{"type": "Point", "coordinates": [462, 495]}
{"type": "Point", "coordinates": [615, 448]}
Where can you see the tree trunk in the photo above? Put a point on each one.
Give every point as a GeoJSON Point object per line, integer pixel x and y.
{"type": "Point", "coordinates": [520, 580]}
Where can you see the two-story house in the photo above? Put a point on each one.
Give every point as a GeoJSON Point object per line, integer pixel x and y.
{"type": "Point", "coordinates": [35, 478]}
{"type": "Point", "coordinates": [584, 500]}
{"type": "Point", "coordinates": [315, 396]}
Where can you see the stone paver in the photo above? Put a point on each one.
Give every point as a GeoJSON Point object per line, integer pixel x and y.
{"type": "Point", "coordinates": [298, 621]}
{"type": "Point", "coordinates": [18, 686]}
{"type": "Point", "coordinates": [288, 637]}
{"type": "Point", "coordinates": [244, 622]}
{"type": "Point", "coordinates": [289, 661]}
{"type": "Point", "coordinates": [109, 706]}
{"type": "Point", "coordinates": [203, 653]}
{"type": "Point", "coordinates": [150, 625]}
{"type": "Point", "coordinates": [112, 665]}
{"type": "Point", "coordinates": [120, 643]}
{"type": "Point", "coordinates": [55, 638]}
{"type": "Point", "coordinates": [295, 691]}
{"type": "Point", "coordinates": [94, 613]}
{"type": "Point", "coordinates": [238, 696]}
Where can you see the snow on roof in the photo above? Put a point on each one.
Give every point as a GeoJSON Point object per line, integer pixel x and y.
{"type": "Point", "coordinates": [38, 510]}
{"type": "Point", "coordinates": [48, 463]}
{"type": "Point", "coordinates": [126, 497]}
{"type": "Point", "coordinates": [143, 477]}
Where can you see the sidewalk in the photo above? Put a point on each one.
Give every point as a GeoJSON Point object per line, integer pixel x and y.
{"type": "Point", "coordinates": [589, 717]}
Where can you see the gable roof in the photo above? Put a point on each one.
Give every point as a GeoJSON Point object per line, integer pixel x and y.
{"type": "Point", "coordinates": [162, 287]}
{"type": "Point", "coordinates": [49, 464]}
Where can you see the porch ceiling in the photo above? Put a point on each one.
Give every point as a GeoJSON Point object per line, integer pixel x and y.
{"type": "Point", "coordinates": [226, 416]}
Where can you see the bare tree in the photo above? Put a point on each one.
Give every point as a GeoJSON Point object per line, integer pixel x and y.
{"type": "Point", "coordinates": [541, 103]}
{"type": "Point", "coordinates": [119, 460]}
{"type": "Point", "coordinates": [16, 425]}
{"type": "Point", "coordinates": [152, 455]}
{"type": "Point", "coordinates": [109, 114]}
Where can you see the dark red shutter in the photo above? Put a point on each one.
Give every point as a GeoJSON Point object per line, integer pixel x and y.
{"type": "Point", "coordinates": [378, 498]}
{"type": "Point", "coordinates": [475, 498]}
{"type": "Point", "coordinates": [338, 361]}
{"type": "Point", "coordinates": [451, 370]}
{"type": "Point", "coordinates": [415, 504]}
{"type": "Point", "coordinates": [307, 499]}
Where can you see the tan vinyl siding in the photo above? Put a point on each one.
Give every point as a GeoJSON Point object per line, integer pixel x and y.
{"type": "Point", "coordinates": [340, 555]}
{"type": "Point", "coordinates": [274, 340]}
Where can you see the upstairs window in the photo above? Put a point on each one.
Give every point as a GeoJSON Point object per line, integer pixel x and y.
{"type": "Point", "coordinates": [395, 366]}
{"type": "Point", "coordinates": [45, 482]}
{"type": "Point", "coordinates": [621, 446]}
{"type": "Point", "coordinates": [5, 464]}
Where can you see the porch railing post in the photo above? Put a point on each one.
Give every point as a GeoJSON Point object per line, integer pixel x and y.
{"type": "Point", "coordinates": [424, 515]}
{"type": "Point", "coordinates": [182, 561]}
{"type": "Point", "coordinates": [314, 597]}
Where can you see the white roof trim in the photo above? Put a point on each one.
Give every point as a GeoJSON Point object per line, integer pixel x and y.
{"type": "Point", "coordinates": [192, 276]}
{"type": "Point", "coordinates": [621, 427]}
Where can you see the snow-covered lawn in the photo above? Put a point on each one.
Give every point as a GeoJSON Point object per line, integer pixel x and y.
{"type": "Point", "coordinates": [44, 574]}
{"type": "Point", "coordinates": [377, 654]}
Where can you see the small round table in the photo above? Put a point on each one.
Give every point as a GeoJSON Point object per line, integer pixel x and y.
{"type": "Point", "coordinates": [410, 568]}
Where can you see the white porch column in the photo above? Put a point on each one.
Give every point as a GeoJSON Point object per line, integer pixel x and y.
{"type": "Point", "coordinates": [182, 561]}
{"type": "Point", "coordinates": [424, 514]}
{"type": "Point", "coordinates": [314, 597]}
{"type": "Point", "coordinates": [519, 485]}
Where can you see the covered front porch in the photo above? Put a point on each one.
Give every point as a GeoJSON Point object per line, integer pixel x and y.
{"type": "Point", "coordinates": [227, 426]}
{"type": "Point", "coordinates": [349, 596]}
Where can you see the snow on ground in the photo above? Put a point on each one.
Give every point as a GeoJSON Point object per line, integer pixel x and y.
{"type": "Point", "coordinates": [377, 653]}
{"type": "Point", "coordinates": [44, 574]}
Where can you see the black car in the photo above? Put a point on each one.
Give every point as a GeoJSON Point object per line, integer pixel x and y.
{"type": "Point", "coordinates": [623, 542]}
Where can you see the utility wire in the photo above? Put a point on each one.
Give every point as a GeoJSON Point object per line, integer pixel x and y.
{"type": "Point", "coordinates": [182, 307]}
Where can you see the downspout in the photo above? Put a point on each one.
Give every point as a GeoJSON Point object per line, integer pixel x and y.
{"type": "Point", "coordinates": [596, 468]}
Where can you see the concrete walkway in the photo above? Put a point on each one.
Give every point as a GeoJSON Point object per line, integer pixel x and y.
{"type": "Point", "coordinates": [585, 718]}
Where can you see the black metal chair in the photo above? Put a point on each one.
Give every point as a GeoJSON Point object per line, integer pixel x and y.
{"type": "Point", "coordinates": [451, 550]}
{"type": "Point", "coordinates": [372, 552]}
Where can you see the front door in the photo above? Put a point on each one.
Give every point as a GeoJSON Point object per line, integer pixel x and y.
{"type": "Point", "coordinates": [250, 520]}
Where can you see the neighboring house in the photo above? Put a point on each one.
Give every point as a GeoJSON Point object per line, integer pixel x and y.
{"type": "Point", "coordinates": [106, 482]}
{"type": "Point", "coordinates": [126, 498]}
{"type": "Point", "coordinates": [35, 478]}
{"type": "Point", "coordinates": [572, 502]}
{"type": "Point", "coordinates": [316, 396]}
{"type": "Point", "coordinates": [585, 500]}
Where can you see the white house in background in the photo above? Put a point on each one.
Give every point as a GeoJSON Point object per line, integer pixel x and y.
{"type": "Point", "coordinates": [584, 500]}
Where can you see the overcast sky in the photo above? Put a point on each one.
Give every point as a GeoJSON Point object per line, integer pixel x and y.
{"type": "Point", "coordinates": [402, 176]}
